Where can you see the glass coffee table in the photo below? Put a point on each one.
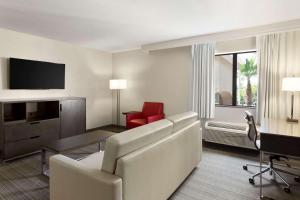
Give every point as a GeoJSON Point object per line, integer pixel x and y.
{"type": "Point", "coordinates": [72, 143]}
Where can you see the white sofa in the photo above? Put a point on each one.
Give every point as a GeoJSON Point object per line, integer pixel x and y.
{"type": "Point", "coordinates": [145, 163]}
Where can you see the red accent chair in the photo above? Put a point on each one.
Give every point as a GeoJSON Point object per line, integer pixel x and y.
{"type": "Point", "coordinates": [152, 111]}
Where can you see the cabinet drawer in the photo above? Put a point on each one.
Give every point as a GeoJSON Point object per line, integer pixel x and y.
{"type": "Point", "coordinates": [24, 131]}
{"type": "Point", "coordinates": [17, 132]}
{"type": "Point", "coordinates": [21, 147]}
{"type": "Point", "coordinates": [41, 133]}
{"type": "Point", "coordinates": [46, 129]}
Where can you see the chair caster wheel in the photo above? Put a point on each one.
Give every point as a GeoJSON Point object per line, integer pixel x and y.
{"type": "Point", "coordinates": [251, 180]}
{"type": "Point", "coordinates": [297, 179]}
{"type": "Point", "coordinates": [287, 190]}
{"type": "Point", "coordinates": [245, 167]}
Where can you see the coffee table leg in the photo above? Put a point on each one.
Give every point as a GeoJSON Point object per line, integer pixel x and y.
{"type": "Point", "coordinates": [99, 146]}
{"type": "Point", "coordinates": [43, 161]}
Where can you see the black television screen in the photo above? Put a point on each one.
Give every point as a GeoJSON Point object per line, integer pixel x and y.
{"type": "Point", "coordinates": [30, 74]}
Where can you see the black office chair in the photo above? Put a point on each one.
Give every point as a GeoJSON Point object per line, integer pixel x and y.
{"type": "Point", "coordinates": [253, 136]}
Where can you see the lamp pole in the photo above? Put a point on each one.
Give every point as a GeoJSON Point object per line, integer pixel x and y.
{"type": "Point", "coordinates": [118, 84]}
{"type": "Point", "coordinates": [292, 103]}
{"type": "Point", "coordinates": [292, 110]}
{"type": "Point", "coordinates": [118, 107]}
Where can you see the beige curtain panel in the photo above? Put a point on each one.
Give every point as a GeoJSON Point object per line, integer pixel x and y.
{"type": "Point", "coordinates": [203, 93]}
{"type": "Point", "coordinates": [278, 57]}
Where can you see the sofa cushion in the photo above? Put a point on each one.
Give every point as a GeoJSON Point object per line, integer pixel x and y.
{"type": "Point", "coordinates": [93, 161]}
{"type": "Point", "coordinates": [182, 120]}
{"type": "Point", "coordinates": [126, 142]}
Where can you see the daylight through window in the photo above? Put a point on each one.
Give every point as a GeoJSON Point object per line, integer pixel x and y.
{"type": "Point", "coordinates": [236, 79]}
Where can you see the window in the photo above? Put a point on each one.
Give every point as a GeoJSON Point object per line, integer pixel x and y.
{"type": "Point", "coordinates": [236, 79]}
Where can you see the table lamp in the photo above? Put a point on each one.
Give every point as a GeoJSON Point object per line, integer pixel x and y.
{"type": "Point", "coordinates": [118, 84]}
{"type": "Point", "coordinates": [291, 84]}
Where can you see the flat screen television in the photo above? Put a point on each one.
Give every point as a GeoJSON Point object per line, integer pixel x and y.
{"type": "Point", "coordinates": [31, 74]}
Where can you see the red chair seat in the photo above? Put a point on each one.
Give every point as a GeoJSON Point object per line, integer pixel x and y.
{"type": "Point", "coordinates": [152, 111]}
{"type": "Point", "coordinates": [136, 122]}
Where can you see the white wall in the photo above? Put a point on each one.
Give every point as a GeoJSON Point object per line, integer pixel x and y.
{"type": "Point", "coordinates": [245, 44]}
{"type": "Point", "coordinates": [164, 75]}
{"type": "Point", "coordinates": [232, 114]}
{"type": "Point", "coordinates": [156, 76]}
{"type": "Point", "coordinates": [87, 72]}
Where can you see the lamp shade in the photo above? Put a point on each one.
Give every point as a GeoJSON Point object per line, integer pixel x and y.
{"type": "Point", "coordinates": [117, 84]}
{"type": "Point", "coordinates": [291, 84]}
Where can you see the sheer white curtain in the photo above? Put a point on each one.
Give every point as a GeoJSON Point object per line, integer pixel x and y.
{"type": "Point", "coordinates": [202, 95]}
{"type": "Point", "coordinates": [278, 57]}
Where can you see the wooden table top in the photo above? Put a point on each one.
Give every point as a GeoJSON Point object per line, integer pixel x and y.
{"type": "Point", "coordinates": [279, 127]}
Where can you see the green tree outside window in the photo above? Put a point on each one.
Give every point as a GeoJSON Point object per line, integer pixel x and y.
{"type": "Point", "coordinates": [249, 69]}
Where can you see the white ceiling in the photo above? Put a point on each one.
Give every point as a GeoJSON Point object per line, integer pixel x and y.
{"type": "Point", "coordinates": [117, 25]}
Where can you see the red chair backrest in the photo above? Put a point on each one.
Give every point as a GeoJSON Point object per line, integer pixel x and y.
{"type": "Point", "coordinates": [152, 108]}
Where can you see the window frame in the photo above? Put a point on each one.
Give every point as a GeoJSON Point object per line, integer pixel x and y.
{"type": "Point", "coordinates": [234, 78]}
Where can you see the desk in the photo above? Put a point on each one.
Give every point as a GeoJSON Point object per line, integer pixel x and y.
{"type": "Point", "coordinates": [279, 137]}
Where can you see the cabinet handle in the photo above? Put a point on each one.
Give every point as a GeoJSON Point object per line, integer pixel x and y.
{"type": "Point", "coordinates": [34, 137]}
{"type": "Point", "coordinates": [60, 107]}
{"type": "Point", "coordinates": [32, 123]}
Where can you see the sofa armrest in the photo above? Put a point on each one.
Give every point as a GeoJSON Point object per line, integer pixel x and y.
{"type": "Point", "coordinates": [135, 115]}
{"type": "Point", "coordinates": [154, 118]}
{"type": "Point", "coordinates": [72, 180]}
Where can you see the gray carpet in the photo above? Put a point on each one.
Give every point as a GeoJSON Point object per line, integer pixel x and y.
{"type": "Point", "coordinates": [218, 177]}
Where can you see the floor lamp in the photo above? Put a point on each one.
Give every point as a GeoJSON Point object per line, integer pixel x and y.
{"type": "Point", "coordinates": [118, 84]}
{"type": "Point", "coordinates": [291, 84]}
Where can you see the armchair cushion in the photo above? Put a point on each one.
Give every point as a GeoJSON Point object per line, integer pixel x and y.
{"type": "Point", "coordinates": [152, 111]}
{"type": "Point", "coordinates": [154, 118]}
{"type": "Point", "coordinates": [137, 122]}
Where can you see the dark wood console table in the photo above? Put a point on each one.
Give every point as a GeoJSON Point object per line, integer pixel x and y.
{"type": "Point", "coordinates": [26, 124]}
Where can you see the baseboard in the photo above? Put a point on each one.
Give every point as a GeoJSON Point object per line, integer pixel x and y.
{"type": "Point", "coordinates": [93, 129]}
{"type": "Point", "coordinates": [226, 147]}
{"type": "Point", "coordinates": [110, 127]}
